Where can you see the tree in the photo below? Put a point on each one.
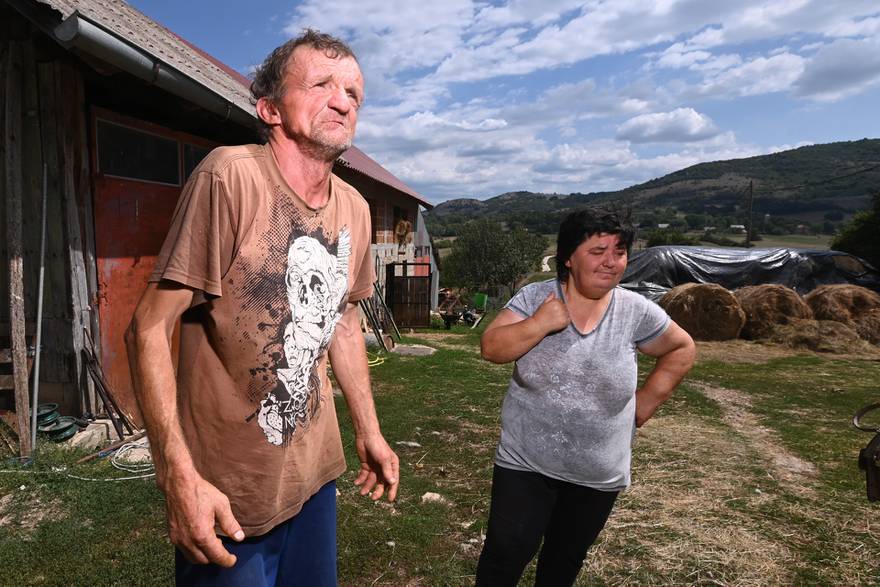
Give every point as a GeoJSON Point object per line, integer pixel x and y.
{"type": "Point", "coordinates": [696, 221]}
{"type": "Point", "coordinates": [485, 255]}
{"type": "Point", "coordinates": [663, 236]}
{"type": "Point", "coordinates": [861, 237]}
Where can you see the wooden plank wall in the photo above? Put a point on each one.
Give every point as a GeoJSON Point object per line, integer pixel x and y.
{"type": "Point", "coordinates": [53, 120]}
{"type": "Point", "coordinates": [14, 145]}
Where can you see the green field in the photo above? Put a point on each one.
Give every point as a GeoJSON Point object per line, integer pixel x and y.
{"type": "Point", "coordinates": [797, 241]}
{"type": "Point", "coordinates": [746, 477]}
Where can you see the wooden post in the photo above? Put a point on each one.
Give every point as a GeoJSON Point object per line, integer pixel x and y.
{"type": "Point", "coordinates": [77, 123]}
{"type": "Point", "coordinates": [66, 81]}
{"type": "Point", "coordinates": [12, 138]}
{"type": "Point", "coordinates": [749, 220]}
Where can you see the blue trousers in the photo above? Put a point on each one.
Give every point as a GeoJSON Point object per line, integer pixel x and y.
{"type": "Point", "coordinates": [298, 552]}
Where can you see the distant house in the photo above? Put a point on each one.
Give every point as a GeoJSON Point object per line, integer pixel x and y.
{"type": "Point", "coordinates": [663, 225]}
{"type": "Point", "coordinates": [120, 110]}
{"type": "Point", "coordinates": [737, 228]}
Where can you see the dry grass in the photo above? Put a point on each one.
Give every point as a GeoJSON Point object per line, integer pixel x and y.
{"type": "Point", "coordinates": [748, 351]}
{"type": "Point", "coordinates": [679, 515]}
{"type": "Point", "coordinates": [718, 497]}
{"type": "Point", "coordinates": [795, 473]}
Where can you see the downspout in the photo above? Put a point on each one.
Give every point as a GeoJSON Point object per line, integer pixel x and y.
{"type": "Point", "coordinates": [78, 33]}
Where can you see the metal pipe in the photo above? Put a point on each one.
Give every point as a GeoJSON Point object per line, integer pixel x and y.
{"type": "Point", "coordinates": [36, 394]}
{"type": "Point", "coordinates": [81, 34]}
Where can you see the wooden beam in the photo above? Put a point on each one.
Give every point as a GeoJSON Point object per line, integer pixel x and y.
{"type": "Point", "coordinates": [67, 81]}
{"type": "Point", "coordinates": [12, 138]}
{"type": "Point", "coordinates": [77, 119]}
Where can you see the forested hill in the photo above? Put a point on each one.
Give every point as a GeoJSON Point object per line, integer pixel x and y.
{"type": "Point", "coordinates": [814, 185]}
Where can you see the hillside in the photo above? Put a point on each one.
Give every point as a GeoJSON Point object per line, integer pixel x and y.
{"type": "Point", "coordinates": [819, 186]}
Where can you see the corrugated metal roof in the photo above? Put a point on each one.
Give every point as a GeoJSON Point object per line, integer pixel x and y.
{"type": "Point", "coordinates": [139, 30]}
{"type": "Point", "coordinates": [146, 34]}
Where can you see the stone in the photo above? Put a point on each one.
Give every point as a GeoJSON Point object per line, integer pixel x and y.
{"type": "Point", "coordinates": [94, 436]}
{"type": "Point", "coordinates": [414, 350]}
{"type": "Point", "coordinates": [431, 497]}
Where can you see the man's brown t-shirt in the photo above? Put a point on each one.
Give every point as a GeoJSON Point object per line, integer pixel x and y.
{"type": "Point", "coordinates": [272, 278]}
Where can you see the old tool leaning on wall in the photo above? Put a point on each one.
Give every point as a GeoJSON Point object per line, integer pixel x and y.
{"type": "Point", "coordinates": [869, 457]}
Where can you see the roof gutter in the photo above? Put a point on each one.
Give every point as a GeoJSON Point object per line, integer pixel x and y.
{"type": "Point", "coordinates": [78, 33]}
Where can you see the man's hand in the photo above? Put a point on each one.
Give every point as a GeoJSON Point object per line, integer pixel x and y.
{"type": "Point", "coordinates": [552, 315]}
{"type": "Point", "coordinates": [193, 505]}
{"type": "Point", "coordinates": [380, 468]}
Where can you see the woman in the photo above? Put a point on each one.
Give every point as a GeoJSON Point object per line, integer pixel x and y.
{"type": "Point", "coordinates": [572, 406]}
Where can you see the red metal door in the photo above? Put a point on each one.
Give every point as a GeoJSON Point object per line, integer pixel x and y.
{"type": "Point", "coordinates": [132, 216]}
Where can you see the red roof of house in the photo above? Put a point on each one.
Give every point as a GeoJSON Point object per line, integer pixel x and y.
{"type": "Point", "coordinates": [360, 161]}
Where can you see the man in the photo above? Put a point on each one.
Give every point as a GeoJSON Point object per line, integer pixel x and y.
{"type": "Point", "coordinates": [265, 260]}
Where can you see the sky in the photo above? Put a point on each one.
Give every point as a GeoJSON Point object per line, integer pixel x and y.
{"type": "Point", "coordinates": [471, 99]}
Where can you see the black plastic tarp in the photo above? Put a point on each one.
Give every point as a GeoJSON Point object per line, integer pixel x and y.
{"type": "Point", "coordinates": [653, 271]}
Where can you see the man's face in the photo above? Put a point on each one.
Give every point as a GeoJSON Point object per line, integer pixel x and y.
{"type": "Point", "coordinates": [321, 100]}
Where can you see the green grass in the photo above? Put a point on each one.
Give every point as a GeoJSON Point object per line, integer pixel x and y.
{"type": "Point", "coordinates": [716, 497]}
{"type": "Point", "coordinates": [796, 241]}
{"type": "Point", "coordinates": [55, 530]}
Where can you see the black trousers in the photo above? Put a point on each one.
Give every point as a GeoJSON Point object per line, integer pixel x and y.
{"type": "Point", "coordinates": [528, 506]}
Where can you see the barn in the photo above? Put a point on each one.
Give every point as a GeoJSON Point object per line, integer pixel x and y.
{"type": "Point", "coordinates": [104, 113]}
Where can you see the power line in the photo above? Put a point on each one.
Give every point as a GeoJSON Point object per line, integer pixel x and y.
{"type": "Point", "coordinates": [827, 180]}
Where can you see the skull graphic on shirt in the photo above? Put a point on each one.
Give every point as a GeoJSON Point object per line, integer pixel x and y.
{"type": "Point", "coordinates": [316, 283]}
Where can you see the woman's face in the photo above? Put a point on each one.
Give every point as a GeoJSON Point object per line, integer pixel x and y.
{"type": "Point", "coordinates": [597, 265]}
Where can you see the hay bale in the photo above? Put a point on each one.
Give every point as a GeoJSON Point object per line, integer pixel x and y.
{"type": "Point", "coordinates": [769, 305]}
{"type": "Point", "coordinates": [868, 326]}
{"type": "Point", "coordinates": [823, 336]}
{"type": "Point", "coordinates": [706, 311]}
{"type": "Point", "coordinates": [842, 302]}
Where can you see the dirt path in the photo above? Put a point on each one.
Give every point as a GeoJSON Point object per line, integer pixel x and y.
{"type": "Point", "coordinates": [793, 472]}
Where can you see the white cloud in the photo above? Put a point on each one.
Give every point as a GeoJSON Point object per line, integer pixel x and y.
{"type": "Point", "coordinates": [809, 47]}
{"type": "Point", "coordinates": [582, 159]}
{"type": "Point", "coordinates": [518, 12]}
{"type": "Point", "coordinates": [430, 120]}
{"type": "Point", "coordinates": [855, 28]}
{"type": "Point", "coordinates": [840, 69]}
{"type": "Point", "coordinates": [718, 63]}
{"type": "Point", "coordinates": [459, 102]}
{"type": "Point", "coordinates": [675, 59]}
{"type": "Point", "coordinates": [682, 125]}
{"type": "Point", "coordinates": [707, 38]}
{"type": "Point", "coordinates": [762, 75]}
{"type": "Point", "coordinates": [390, 37]}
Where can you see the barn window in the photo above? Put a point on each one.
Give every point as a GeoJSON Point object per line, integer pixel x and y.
{"type": "Point", "coordinates": [134, 154]}
{"type": "Point", "coordinates": [192, 156]}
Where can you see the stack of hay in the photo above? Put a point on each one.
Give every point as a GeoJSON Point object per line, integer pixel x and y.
{"type": "Point", "coordinates": [854, 306]}
{"type": "Point", "coordinates": [832, 318]}
{"type": "Point", "coordinates": [707, 311]}
{"type": "Point", "coordinates": [767, 306]}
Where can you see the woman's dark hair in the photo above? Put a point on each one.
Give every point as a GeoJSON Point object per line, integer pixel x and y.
{"type": "Point", "coordinates": [581, 225]}
{"type": "Point", "coordinates": [268, 80]}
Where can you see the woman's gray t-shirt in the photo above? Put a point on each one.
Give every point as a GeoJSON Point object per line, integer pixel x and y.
{"type": "Point", "coordinates": [569, 412]}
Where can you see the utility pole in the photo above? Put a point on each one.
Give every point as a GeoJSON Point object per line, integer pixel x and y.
{"type": "Point", "coordinates": [749, 218]}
